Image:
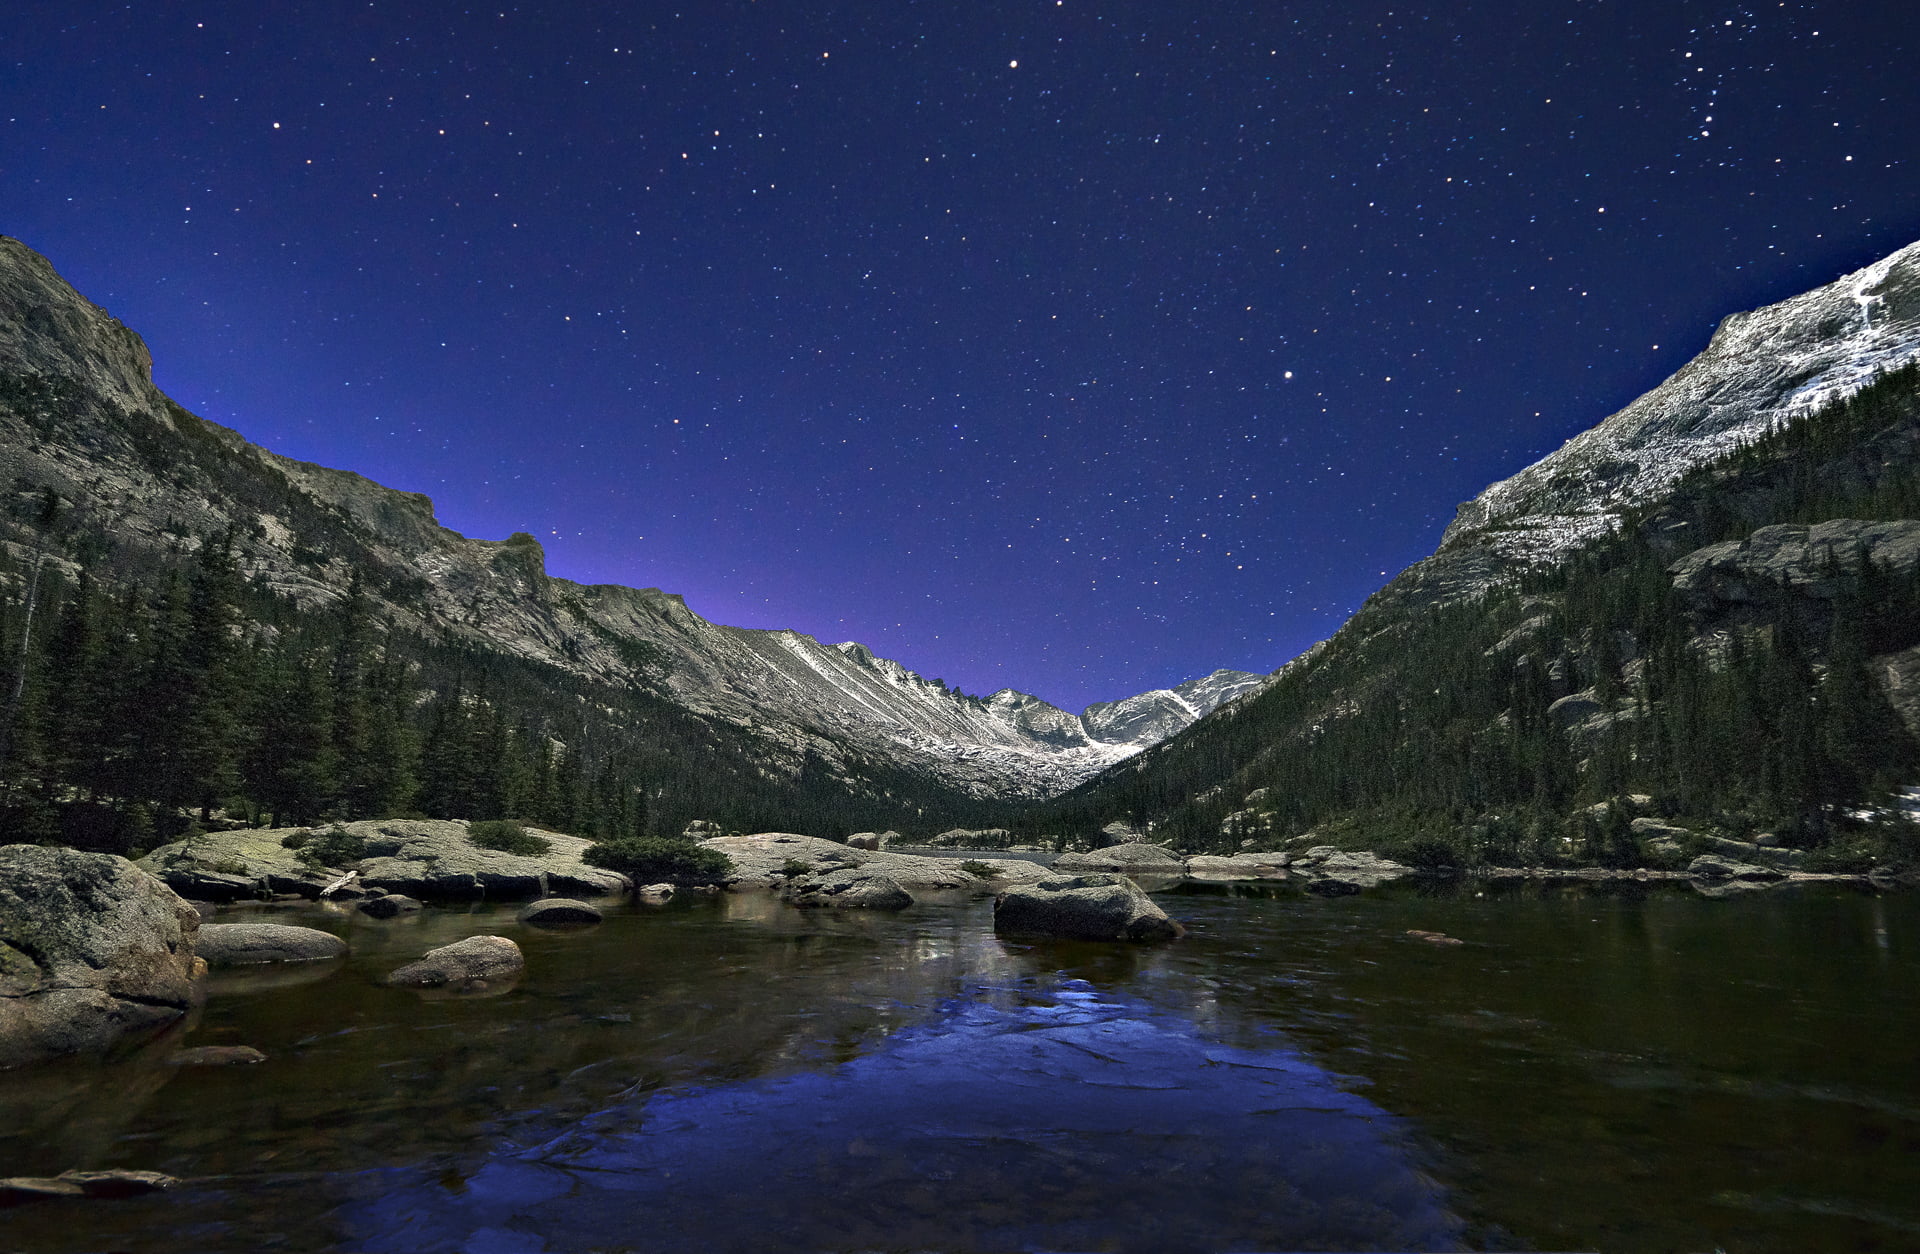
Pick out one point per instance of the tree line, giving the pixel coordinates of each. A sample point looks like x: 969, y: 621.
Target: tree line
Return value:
x: 135, y: 711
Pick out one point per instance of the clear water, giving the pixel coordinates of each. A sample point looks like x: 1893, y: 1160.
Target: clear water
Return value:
x: 1610, y: 1070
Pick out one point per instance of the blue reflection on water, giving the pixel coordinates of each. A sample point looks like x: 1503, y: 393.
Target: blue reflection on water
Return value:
x: 1066, y: 1120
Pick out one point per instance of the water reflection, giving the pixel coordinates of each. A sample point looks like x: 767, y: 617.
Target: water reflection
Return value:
x: 1019, y: 1117
x: 1623, y: 1067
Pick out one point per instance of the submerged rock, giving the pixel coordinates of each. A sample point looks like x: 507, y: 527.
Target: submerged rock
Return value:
x: 98, y: 1184
x: 217, y: 1056
x: 1084, y: 907
x: 92, y: 949
x: 476, y: 964
x: 244, y: 944
x: 850, y: 888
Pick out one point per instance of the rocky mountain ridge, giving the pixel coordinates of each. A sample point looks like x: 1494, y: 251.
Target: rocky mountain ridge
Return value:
x: 83, y: 426
x: 1763, y: 370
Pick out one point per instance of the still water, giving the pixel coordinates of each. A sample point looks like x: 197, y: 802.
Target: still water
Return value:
x: 1626, y: 1070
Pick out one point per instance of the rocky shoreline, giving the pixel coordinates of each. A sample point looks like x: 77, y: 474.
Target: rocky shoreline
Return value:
x: 97, y: 952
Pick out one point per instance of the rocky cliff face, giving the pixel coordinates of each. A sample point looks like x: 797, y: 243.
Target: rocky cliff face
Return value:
x: 1761, y: 371
x: 80, y: 419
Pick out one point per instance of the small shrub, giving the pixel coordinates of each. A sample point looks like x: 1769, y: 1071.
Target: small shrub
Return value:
x: 296, y: 839
x: 978, y: 869
x: 230, y: 866
x: 505, y: 836
x: 1851, y: 855
x: 794, y: 868
x: 1430, y: 853
x: 336, y: 847
x: 653, y: 860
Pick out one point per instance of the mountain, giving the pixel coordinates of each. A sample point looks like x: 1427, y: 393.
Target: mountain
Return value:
x: 1700, y: 616
x: 1762, y: 371
x: 139, y: 486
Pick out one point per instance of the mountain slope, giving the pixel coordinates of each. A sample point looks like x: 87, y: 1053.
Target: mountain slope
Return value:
x: 140, y: 483
x: 1763, y: 370
x: 1711, y: 600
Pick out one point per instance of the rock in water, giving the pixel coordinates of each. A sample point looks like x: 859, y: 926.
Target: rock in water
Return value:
x: 217, y: 1056
x: 476, y: 964
x: 1245, y: 866
x: 104, y: 1184
x: 1085, y: 907
x: 551, y: 911
x: 389, y: 905
x: 1713, y: 867
x: 430, y: 859
x: 1132, y: 856
x: 850, y: 888
x: 91, y: 950
x: 1340, y: 874
x: 245, y: 944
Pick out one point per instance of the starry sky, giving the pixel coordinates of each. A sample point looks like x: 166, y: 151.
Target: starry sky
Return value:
x: 1070, y: 345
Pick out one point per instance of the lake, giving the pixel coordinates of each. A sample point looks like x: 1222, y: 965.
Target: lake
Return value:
x: 1616, y: 1067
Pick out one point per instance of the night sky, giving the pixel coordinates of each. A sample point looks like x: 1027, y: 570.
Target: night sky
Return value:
x: 1075, y: 346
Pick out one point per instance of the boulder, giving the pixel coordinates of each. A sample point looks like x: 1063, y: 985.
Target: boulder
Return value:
x: 434, y: 860
x: 856, y: 888
x: 1083, y: 907
x: 431, y: 859
x: 1754, y: 851
x: 244, y: 944
x: 389, y: 905
x: 476, y: 964
x: 1133, y: 856
x: 1244, y: 866
x: 1327, y: 865
x: 864, y: 840
x: 656, y: 892
x: 1657, y: 829
x: 561, y: 911
x: 92, y: 950
x: 229, y: 866
x: 758, y: 861
x: 1713, y: 866
x: 967, y: 838
x: 1573, y: 709
x: 702, y: 829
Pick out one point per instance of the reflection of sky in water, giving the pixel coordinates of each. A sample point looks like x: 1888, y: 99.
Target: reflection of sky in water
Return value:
x: 1063, y: 1121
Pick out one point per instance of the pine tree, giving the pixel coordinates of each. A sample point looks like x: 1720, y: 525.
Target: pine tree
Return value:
x: 292, y: 771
